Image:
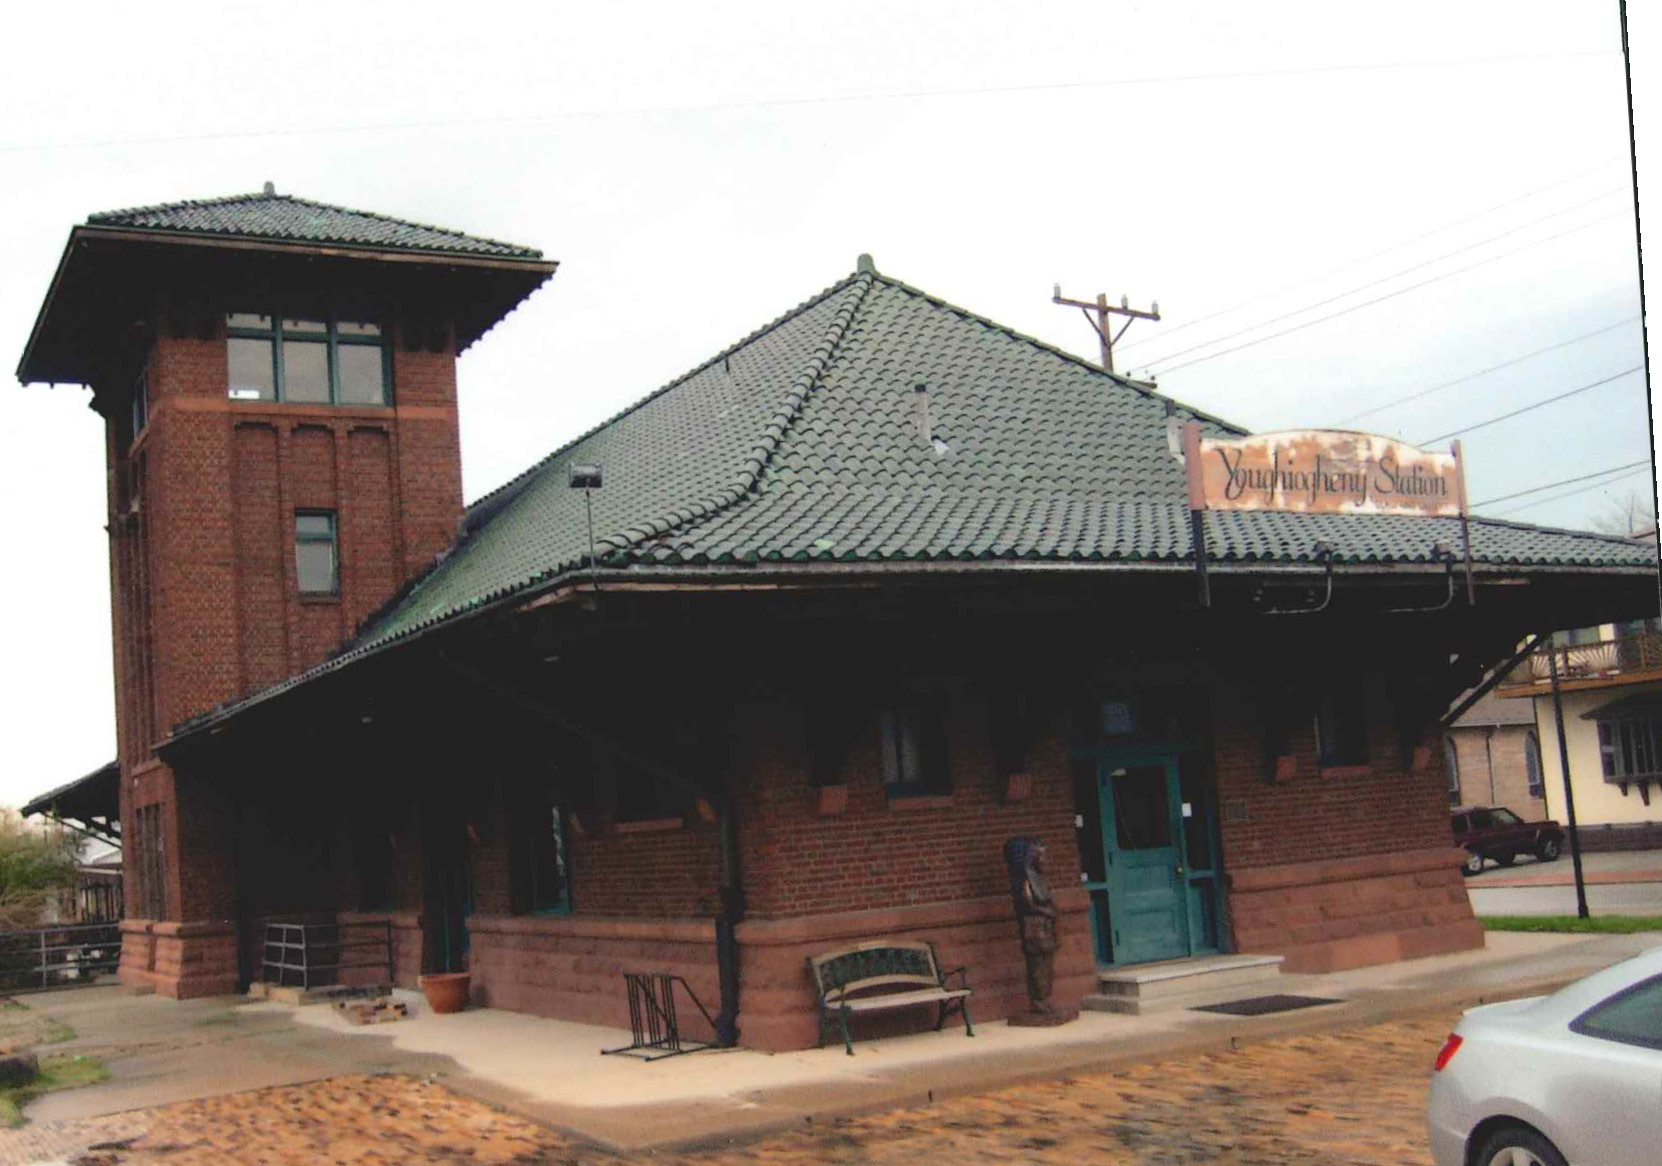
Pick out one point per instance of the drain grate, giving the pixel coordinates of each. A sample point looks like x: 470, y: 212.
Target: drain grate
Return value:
x: 1262, y: 1005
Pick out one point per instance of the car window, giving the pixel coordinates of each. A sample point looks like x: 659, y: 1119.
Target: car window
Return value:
x: 1459, y: 823
x: 1505, y: 818
x: 1632, y: 1016
x: 1481, y: 819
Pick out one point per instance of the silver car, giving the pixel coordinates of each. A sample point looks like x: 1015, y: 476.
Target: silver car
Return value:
x: 1571, y: 1079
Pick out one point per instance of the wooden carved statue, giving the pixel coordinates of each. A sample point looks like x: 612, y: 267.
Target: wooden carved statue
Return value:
x: 1024, y: 858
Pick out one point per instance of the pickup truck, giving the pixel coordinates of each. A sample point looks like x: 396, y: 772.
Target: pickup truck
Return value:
x: 1486, y: 832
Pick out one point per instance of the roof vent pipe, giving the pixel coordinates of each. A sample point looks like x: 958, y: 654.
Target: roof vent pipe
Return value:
x: 920, y: 409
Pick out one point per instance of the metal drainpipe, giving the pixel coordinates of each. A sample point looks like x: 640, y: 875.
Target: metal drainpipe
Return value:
x: 727, y: 942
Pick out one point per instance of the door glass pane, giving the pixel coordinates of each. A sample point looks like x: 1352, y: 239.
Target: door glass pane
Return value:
x: 251, y: 376
x: 360, y: 374
x: 1088, y: 810
x: 1197, y: 823
x: 248, y: 320
x: 348, y: 328
x: 1142, y: 813
x: 290, y: 324
x: 305, y: 372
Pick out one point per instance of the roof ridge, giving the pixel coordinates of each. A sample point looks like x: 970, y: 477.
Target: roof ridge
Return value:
x: 524, y: 476
x: 262, y: 196
x: 856, y: 286
x: 1072, y: 358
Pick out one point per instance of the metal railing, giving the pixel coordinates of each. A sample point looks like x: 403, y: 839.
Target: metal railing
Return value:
x: 1602, y: 658
x: 315, y: 954
x: 46, y: 957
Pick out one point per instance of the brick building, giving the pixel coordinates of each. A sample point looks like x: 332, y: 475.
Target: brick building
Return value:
x: 1493, y: 754
x: 864, y: 595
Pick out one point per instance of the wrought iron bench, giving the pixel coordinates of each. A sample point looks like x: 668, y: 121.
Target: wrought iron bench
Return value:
x: 882, y: 975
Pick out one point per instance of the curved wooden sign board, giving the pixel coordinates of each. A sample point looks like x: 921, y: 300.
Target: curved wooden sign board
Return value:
x: 1321, y: 471
x: 1325, y: 471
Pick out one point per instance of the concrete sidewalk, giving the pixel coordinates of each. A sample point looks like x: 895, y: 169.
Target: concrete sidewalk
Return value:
x: 160, y: 1051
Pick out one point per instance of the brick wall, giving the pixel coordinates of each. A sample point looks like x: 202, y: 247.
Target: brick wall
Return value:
x: 204, y: 596
x: 1339, y: 867
x: 890, y: 852
x: 1493, y: 771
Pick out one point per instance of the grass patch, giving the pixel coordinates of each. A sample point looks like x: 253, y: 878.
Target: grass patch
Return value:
x: 61, y: 1072
x: 1598, y: 925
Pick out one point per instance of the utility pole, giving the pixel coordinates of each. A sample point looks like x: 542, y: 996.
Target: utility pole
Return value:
x: 1564, y: 772
x: 1101, y: 310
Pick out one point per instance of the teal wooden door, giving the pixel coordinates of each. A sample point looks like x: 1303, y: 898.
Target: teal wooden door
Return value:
x: 1142, y: 836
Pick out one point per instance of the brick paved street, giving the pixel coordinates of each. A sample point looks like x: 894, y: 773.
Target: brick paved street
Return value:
x: 1349, y: 1098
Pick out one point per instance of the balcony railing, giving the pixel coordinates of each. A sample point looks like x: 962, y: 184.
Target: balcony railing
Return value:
x: 1598, y: 660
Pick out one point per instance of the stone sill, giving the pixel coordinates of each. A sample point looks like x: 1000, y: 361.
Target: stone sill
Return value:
x: 650, y: 826
x: 596, y: 927
x: 922, y: 802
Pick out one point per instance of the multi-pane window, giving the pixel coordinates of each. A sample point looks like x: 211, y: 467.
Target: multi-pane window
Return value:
x: 1532, y: 764
x: 316, y: 558
x: 319, y: 362
x: 1451, y: 760
x: 141, y: 400
x: 1630, y: 748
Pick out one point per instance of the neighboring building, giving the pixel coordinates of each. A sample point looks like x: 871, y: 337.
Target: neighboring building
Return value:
x: 88, y: 806
x: 1610, y: 680
x: 1493, y: 753
x: 864, y: 595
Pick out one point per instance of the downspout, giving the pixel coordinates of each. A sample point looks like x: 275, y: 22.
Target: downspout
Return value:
x: 727, y: 923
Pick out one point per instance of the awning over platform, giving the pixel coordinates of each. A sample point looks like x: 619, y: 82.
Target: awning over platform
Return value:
x: 91, y: 804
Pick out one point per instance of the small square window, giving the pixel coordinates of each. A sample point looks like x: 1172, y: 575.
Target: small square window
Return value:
x: 316, y: 562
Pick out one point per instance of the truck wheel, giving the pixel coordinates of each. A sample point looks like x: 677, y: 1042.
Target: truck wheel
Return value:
x: 1473, y: 864
x: 1547, y: 849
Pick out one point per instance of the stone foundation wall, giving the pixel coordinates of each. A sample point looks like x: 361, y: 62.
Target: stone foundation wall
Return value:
x: 571, y: 966
x: 179, y: 960
x: 1345, y: 913
x: 778, y: 1008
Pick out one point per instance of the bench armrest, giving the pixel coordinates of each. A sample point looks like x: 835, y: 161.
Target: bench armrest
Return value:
x: 961, y: 973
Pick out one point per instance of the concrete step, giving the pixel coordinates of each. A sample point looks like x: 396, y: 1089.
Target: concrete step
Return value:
x: 1176, y: 984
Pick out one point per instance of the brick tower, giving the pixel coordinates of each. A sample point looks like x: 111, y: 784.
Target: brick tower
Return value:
x: 278, y: 386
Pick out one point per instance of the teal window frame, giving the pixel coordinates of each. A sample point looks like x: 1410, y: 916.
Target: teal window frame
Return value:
x: 333, y: 542
x: 332, y: 339
x: 914, y: 749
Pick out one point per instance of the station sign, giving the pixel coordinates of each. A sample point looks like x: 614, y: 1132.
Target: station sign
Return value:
x: 1322, y: 471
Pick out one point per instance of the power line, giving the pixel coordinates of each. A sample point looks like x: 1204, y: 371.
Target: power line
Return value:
x: 1485, y: 371
x: 1562, y: 482
x: 1569, y: 493
x: 1382, y: 279
x: 786, y: 102
x: 1530, y: 408
x: 1393, y: 294
x: 1343, y: 267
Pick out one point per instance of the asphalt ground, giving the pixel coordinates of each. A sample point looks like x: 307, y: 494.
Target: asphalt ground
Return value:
x: 1491, y: 895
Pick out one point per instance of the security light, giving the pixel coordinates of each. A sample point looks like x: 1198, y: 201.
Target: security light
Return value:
x: 584, y: 477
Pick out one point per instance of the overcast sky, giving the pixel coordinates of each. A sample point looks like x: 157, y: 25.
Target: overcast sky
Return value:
x: 698, y: 169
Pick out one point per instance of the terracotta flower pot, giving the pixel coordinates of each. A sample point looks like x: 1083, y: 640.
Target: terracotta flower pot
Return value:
x: 446, y: 991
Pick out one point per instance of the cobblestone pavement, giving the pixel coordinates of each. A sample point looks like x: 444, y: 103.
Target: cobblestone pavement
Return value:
x: 1346, y: 1098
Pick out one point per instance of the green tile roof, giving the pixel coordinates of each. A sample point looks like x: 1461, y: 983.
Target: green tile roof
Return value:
x: 285, y: 218
x: 800, y: 444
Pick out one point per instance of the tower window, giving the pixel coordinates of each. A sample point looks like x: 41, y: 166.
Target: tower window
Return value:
x: 318, y: 362
x: 316, y: 563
